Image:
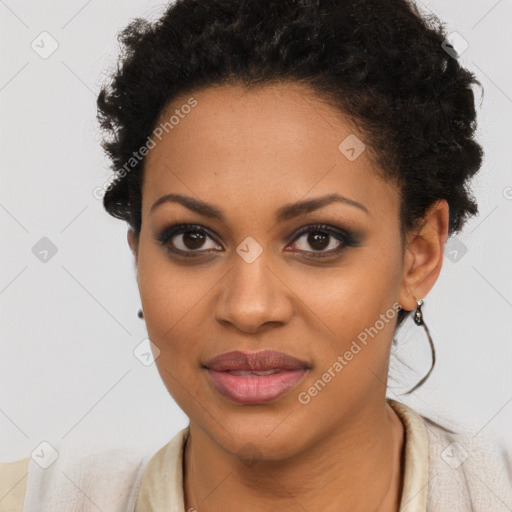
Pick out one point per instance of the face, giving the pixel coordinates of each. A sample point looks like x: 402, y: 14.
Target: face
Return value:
x: 319, y: 283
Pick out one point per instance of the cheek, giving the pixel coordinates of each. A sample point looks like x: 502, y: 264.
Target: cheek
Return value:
x: 170, y: 299
x: 357, y: 323
x: 348, y: 298
x: 173, y: 308
x: 352, y: 346
x: 353, y: 312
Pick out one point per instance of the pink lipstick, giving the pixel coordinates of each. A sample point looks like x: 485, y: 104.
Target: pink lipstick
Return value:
x: 255, y: 377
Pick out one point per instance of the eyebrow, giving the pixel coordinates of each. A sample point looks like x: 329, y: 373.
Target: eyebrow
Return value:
x: 284, y: 213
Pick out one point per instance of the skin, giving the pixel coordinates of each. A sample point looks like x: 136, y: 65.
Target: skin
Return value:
x: 250, y: 152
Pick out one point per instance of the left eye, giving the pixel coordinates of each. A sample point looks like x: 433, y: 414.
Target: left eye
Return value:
x: 324, y: 240
x: 318, y: 240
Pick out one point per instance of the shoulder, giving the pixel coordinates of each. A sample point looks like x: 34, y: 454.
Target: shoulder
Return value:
x: 467, y: 471
x: 13, y: 483
x: 80, y: 475
x: 162, y: 483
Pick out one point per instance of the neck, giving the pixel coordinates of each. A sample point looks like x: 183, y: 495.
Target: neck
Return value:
x: 357, y: 467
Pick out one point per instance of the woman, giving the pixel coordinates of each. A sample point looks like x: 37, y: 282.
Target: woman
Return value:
x: 290, y: 172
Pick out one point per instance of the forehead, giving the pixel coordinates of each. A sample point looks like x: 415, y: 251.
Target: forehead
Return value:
x: 278, y: 140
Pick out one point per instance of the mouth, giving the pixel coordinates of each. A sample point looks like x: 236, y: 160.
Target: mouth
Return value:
x: 255, y: 378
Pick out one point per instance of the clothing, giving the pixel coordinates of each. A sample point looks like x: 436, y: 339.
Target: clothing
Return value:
x: 443, y: 472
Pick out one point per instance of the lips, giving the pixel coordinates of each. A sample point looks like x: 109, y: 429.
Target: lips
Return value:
x: 255, y: 361
x: 255, y: 377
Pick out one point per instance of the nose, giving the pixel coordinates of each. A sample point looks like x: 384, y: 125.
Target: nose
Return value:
x: 253, y: 296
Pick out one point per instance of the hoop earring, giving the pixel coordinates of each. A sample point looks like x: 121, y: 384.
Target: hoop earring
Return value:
x: 418, y: 320
x: 140, y: 314
x: 418, y: 315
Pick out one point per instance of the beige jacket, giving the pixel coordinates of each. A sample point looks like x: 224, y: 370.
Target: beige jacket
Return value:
x: 444, y: 472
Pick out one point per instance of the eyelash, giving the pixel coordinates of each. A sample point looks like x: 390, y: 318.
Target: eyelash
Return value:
x: 346, y: 238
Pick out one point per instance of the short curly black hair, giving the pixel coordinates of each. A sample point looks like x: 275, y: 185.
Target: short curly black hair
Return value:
x: 382, y: 63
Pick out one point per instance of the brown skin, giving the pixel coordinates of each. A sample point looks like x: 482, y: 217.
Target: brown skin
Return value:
x: 249, y: 153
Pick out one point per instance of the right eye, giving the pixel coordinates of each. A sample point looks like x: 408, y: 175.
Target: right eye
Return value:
x: 186, y: 239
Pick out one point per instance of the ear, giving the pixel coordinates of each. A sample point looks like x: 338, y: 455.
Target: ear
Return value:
x: 424, y: 253
x: 133, y: 242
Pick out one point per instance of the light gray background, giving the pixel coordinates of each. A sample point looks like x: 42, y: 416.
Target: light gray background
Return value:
x: 69, y: 327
